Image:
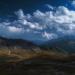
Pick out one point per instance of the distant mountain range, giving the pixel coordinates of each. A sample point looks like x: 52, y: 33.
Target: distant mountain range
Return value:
x: 16, y: 43
x: 64, y: 45
x: 50, y: 57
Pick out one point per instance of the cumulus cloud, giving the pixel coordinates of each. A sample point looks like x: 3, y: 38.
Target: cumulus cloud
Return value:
x: 14, y: 29
x: 73, y: 2
x: 40, y: 25
x: 50, y: 7
x: 20, y: 14
x: 49, y: 36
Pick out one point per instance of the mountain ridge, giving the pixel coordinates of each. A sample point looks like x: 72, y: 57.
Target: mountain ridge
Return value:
x: 65, y: 44
x: 18, y: 43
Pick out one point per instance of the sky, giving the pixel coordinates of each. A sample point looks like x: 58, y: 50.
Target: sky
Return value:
x: 29, y: 6
x: 37, y: 20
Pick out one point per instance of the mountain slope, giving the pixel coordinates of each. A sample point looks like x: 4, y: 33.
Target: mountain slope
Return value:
x: 16, y: 43
x: 65, y: 45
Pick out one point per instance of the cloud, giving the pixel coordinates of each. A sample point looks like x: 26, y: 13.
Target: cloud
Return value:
x: 20, y: 14
x: 49, y: 36
x: 40, y: 25
x: 50, y: 7
x: 73, y: 2
x: 14, y: 29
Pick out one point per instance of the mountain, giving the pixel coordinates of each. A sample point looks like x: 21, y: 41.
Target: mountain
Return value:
x: 16, y: 43
x: 46, y: 59
x: 64, y: 45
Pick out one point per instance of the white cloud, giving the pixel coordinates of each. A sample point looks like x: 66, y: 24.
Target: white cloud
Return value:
x: 41, y: 25
x: 49, y: 36
x: 73, y: 2
x: 50, y: 7
x: 20, y: 14
x: 14, y: 29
